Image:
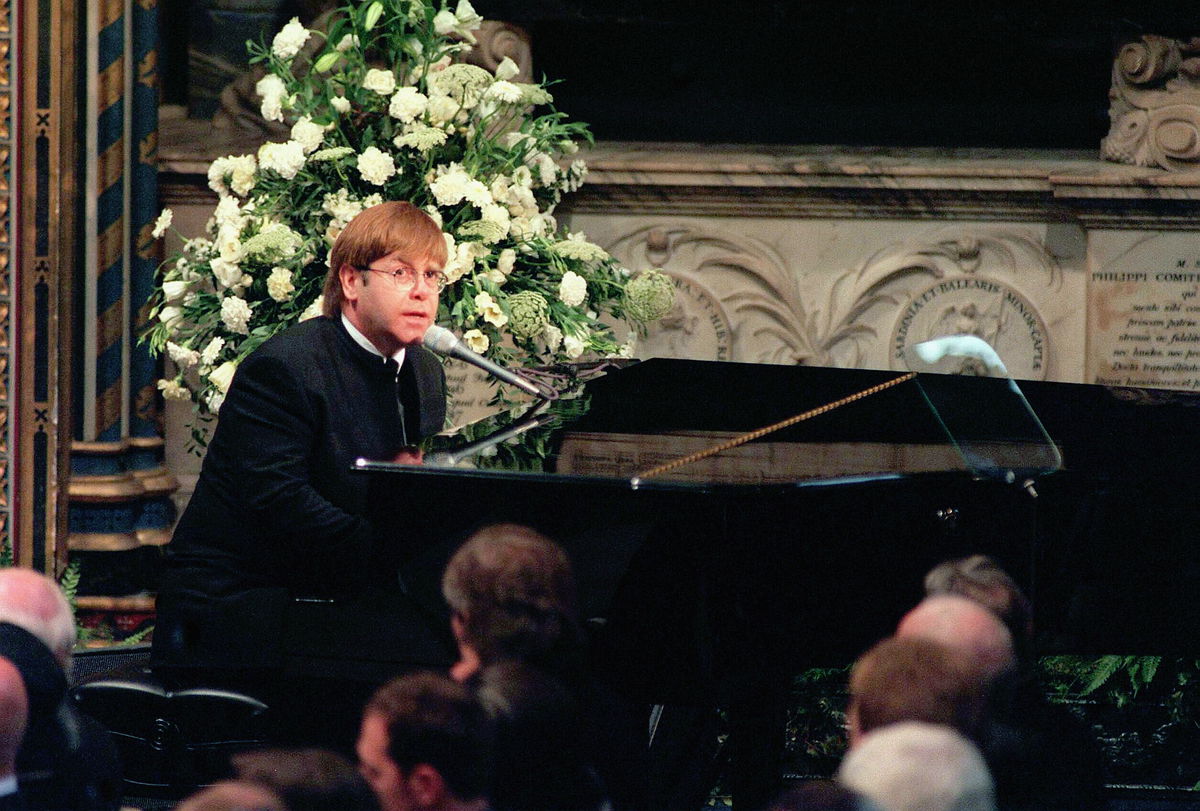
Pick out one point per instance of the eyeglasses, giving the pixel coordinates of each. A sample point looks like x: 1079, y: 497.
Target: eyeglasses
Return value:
x: 405, y: 277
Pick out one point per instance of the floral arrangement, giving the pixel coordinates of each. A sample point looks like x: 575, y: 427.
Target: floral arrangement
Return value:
x: 379, y: 110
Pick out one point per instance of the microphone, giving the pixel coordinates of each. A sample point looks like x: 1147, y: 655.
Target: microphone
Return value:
x: 444, y: 342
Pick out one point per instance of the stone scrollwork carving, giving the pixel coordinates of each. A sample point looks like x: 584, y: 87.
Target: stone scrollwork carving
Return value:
x: 739, y: 300
x: 1155, y: 104
x: 735, y: 300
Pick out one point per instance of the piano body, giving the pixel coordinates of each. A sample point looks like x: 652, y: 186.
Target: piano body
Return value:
x: 803, y: 547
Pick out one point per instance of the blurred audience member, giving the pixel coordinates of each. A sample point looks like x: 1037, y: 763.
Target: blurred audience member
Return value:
x: 425, y: 743
x: 915, y: 680
x: 233, y: 795
x: 913, y: 766
x: 307, y: 779
x: 821, y: 795
x: 540, y: 762
x: 14, y: 713
x: 981, y: 579
x: 965, y: 625
x: 66, y: 760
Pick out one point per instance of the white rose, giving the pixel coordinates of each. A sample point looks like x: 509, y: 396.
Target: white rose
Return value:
x: 212, y: 350
x: 308, y: 134
x: 382, y: 82
x: 407, y: 104
x: 476, y: 341
x: 572, y: 290
x: 222, y: 376
x: 572, y: 346
x: 290, y: 39
x: 506, y: 260
x: 376, y: 166
x: 287, y: 158
x: 272, y: 89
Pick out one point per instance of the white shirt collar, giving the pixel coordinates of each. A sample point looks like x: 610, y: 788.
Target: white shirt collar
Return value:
x: 362, y: 341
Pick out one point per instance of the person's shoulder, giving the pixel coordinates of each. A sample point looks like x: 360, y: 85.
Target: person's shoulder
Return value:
x: 298, y: 342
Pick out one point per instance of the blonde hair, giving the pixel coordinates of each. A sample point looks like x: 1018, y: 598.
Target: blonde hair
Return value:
x: 390, y: 227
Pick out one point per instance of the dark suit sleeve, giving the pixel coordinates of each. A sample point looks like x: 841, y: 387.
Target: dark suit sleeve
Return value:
x: 268, y: 428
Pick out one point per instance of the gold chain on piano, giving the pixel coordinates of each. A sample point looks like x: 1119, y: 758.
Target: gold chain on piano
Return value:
x: 761, y: 432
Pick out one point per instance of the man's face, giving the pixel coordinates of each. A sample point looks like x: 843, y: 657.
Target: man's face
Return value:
x: 377, y: 768
x: 389, y: 314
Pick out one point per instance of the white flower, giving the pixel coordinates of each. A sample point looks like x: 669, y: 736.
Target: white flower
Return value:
x: 506, y: 260
x: 572, y: 290
x: 222, y: 376
x: 174, y: 290
x: 435, y: 215
x: 497, y: 215
x: 346, y: 43
x: 489, y: 310
x: 181, y: 356
x: 239, y: 169
x: 314, y: 309
x: 172, y: 390
x: 442, y: 109
x: 376, y: 166
x: 576, y: 247
x: 212, y: 350
x: 228, y: 214
x: 235, y: 314
x: 290, y: 39
x: 476, y: 341
x: 162, y: 223
x: 444, y: 22
x: 507, y: 69
x: 553, y: 337
x: 382, y: 82
x: 407, y: 103
x: 287, y: 158
x: 450, y: 186
x: 546, y: 167
x: 272, y: 89
x: 308, y: 134
x: 340, y: 103
x: 170, y: 315
x: 504, y: 92
x: 279, y: 284
x: 213, y: 400
x: 573, y: 346
x: 462, y: 22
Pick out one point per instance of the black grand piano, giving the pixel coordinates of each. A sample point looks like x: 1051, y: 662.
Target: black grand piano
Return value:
x: 804, y: 545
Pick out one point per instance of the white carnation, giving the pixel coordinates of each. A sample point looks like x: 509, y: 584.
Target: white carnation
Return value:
x: 442, y: 109
x: 228, y: 274
x: 376, y: 166
x: 181, y: 356
x: 290, y: 39
x: 279, y: 284
x: 382, y: 82
x: 212, y: 350
x: 340, y: 103
x: 407, y: 104
x: 162, y: 223
x: 503, y: 92
x: 450, y: 186
x: 572, y: 290
x: 239, y: 170
x: 172, y: 390
x: 287, y: 158
x: 235, y: 314
x: 308, y: 134
x: 272, y: 89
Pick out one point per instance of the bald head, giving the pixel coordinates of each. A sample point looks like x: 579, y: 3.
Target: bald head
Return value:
x: 964, y: 625
x: 34, y: 602
x: 233, y: 796
x: 14, y: 712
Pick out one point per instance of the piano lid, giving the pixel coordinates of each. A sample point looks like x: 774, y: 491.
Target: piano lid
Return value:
x: 668, y: 422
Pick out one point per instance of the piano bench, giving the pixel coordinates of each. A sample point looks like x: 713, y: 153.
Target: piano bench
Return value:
x: 171, y: 742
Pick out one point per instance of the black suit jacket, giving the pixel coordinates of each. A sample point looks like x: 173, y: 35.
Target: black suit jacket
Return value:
x: 277, y: 512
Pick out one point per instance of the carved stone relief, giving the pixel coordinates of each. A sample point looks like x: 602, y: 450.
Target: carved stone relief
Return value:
x: 740, y: 299
x: 1155, y: 104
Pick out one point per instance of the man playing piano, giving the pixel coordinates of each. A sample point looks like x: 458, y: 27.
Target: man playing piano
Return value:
x: 275, y: 567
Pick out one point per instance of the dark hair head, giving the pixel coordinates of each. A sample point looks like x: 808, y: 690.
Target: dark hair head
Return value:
x: 307, y: 779
x: 979, y: 578
x: 431, y: 719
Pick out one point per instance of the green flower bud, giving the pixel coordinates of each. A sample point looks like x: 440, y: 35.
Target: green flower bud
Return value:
x: 530, y: 314
x: 327, y: 61
x: 374, y: 12
x: 649, y: 297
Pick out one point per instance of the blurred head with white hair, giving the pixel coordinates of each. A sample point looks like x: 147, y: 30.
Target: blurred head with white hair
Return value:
x: 35, y: 602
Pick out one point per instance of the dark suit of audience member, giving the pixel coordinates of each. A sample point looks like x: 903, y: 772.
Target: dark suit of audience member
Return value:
x: 66, y: 760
